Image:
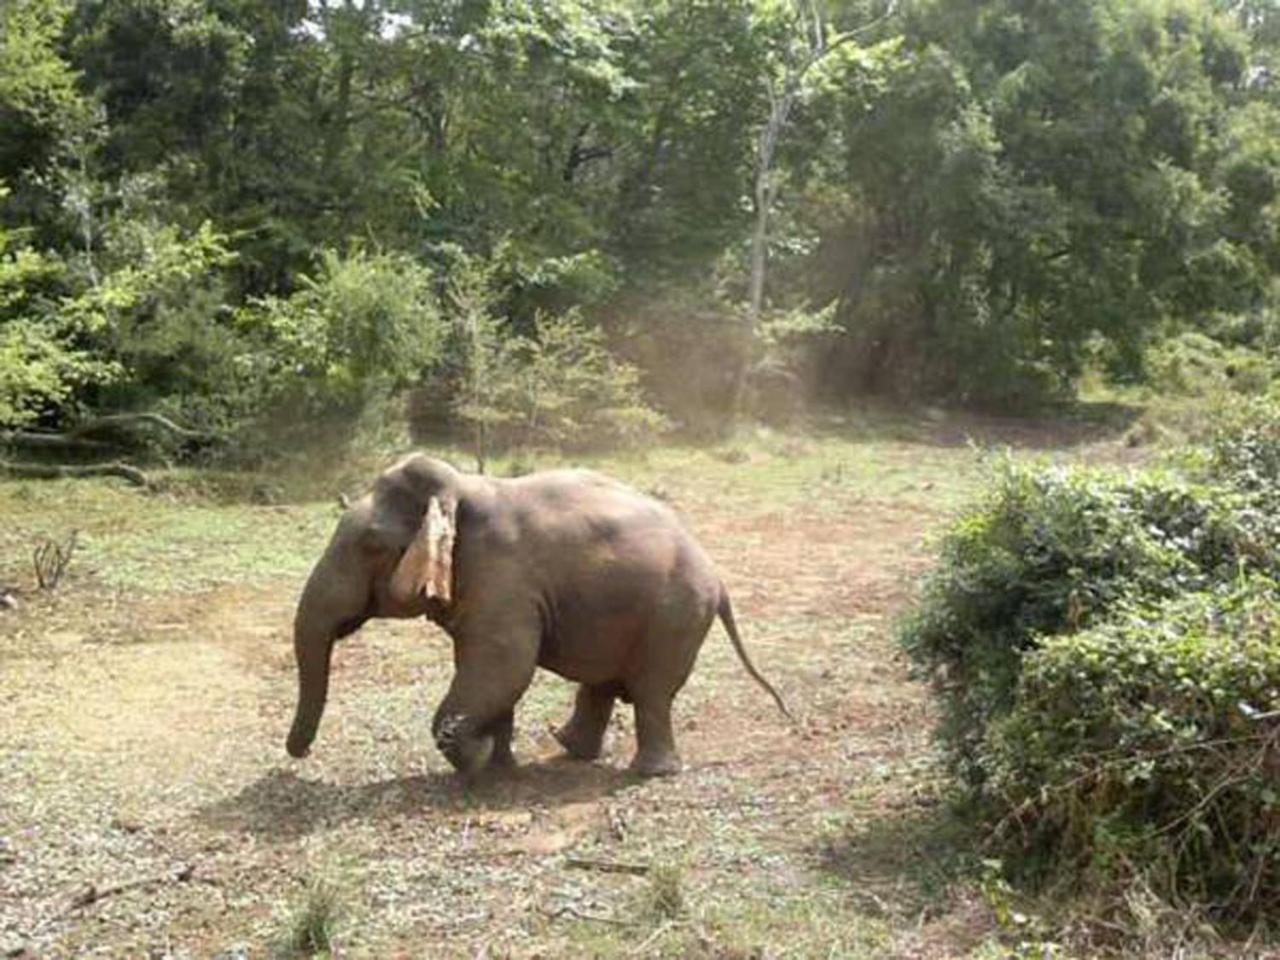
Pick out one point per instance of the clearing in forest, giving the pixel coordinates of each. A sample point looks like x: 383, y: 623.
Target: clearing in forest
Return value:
x: 147, y: 806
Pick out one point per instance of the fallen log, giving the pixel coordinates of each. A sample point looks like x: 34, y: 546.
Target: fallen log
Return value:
x: 50, y: 471
x: 116, y: 421
x: 54, y: 441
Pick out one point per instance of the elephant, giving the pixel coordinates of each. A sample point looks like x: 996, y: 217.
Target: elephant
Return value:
x: 566, y: 569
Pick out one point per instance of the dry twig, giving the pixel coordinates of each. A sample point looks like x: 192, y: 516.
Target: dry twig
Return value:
x: 571, y: 911
x: 91, y: 894
x: 52, y: 559
x: 607, y: 866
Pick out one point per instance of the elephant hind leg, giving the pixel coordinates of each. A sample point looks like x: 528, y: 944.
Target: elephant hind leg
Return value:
x: 656, y: 754
x: 672, y: 648
x: 583, y: 735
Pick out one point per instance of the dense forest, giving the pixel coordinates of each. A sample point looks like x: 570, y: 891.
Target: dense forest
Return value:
x: 585, y: 219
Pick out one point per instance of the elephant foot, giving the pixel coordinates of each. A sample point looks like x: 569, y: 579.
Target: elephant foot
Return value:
x: 468, y: 755
x: 578, y: 745
x: 657, y: 764
x: 502, y: 759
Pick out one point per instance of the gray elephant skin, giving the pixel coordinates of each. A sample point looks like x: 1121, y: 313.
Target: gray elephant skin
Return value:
x: 566, y: 570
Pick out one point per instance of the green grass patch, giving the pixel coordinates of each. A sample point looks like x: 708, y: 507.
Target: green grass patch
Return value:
x: 129, y: 540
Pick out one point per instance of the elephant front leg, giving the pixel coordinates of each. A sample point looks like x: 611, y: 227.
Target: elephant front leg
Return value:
x: 473, y: 726
x: 583, y: 735
x: 502, y: 730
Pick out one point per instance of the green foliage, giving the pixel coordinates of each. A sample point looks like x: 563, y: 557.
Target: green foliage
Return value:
x: 1107, y: 650
x: 557, y: 385
x: 563, y: 388
x: 1000, y: 248
x: 1051, y: 551
x: 178, y: 168
x: 1136, y: 753
x: 1193, y: 364
x: 311, y: 921
x: 36, y: 366
x: 364, y: 326
x: 134, y: 318
x: 41, y: 110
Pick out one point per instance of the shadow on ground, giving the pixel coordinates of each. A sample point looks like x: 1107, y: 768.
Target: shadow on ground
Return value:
x: 910, y: 858
x: 282, y: 805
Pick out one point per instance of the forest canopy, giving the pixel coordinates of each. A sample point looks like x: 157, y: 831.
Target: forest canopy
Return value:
x: 226, y: 209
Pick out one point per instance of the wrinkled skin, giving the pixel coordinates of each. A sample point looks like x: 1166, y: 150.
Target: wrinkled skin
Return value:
x: 567, y: 570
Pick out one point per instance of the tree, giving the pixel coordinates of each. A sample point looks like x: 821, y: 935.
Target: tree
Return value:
x: 797, y: 50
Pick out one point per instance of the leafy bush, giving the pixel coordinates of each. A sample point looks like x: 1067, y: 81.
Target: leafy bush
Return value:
x: 557, y: 385
x: 1196, y: 365
x: 364, y: 325
x: 137, y: 320
x: 562, y: 387
x: 1052, y: 551
x: 1245, y: 449
x: 1146, y: 749
x: 1107, y: 651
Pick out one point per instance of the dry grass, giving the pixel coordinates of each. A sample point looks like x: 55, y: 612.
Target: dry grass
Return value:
x: 143, y: 707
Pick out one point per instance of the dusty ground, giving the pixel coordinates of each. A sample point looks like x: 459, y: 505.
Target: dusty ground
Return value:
x: 147, y: 807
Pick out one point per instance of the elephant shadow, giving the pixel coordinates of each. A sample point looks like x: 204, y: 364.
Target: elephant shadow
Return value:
x: 282, y: 805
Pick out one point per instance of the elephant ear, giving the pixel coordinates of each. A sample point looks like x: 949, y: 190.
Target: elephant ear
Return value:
x: 427, y: 566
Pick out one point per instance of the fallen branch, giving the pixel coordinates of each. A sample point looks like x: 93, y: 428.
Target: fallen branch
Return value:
x: 607, y: 866
x: 571, y: 911
x: 91, y: 894
x: 113, y: 421
x: 44, y: 471
x: 51, y: 560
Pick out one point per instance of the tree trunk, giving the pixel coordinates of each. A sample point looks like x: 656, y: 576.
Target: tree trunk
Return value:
x: 779, y: 109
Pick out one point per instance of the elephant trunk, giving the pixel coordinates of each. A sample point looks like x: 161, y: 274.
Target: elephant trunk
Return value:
x: 330, y: 608
x: 313, y: 648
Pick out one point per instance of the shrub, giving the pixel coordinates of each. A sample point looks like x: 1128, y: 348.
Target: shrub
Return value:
x: 1141, y: 751
x: 1192, y: 364
x: 310, y: 921
x: 564, y: 388
x: 363, y: 326
x: 1244, y: 450
x: 1052, y: 551
x: 557, y: 385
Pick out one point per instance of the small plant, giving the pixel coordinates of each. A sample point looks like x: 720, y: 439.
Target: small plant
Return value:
x: 666, y: 890
x: 556, y: 385
x: 311, y: 921
x: 51, y: 560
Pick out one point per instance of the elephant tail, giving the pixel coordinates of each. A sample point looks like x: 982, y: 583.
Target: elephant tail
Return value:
x: 725, y: 610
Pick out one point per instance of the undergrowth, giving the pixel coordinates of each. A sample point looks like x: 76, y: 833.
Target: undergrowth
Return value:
x: 1106, y: 647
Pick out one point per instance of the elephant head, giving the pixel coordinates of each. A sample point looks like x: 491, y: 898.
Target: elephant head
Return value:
x: 391, y: 556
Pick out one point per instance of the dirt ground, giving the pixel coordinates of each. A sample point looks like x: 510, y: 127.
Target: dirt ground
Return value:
x: 147, y: 807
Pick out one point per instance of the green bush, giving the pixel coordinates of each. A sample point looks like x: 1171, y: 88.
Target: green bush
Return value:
x: 1051, y: 551
x: 1192, y: 364
x: 1140, y: 751
x: 1107, y: 652
x: 1244, y: 451
x: 364, y: 326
